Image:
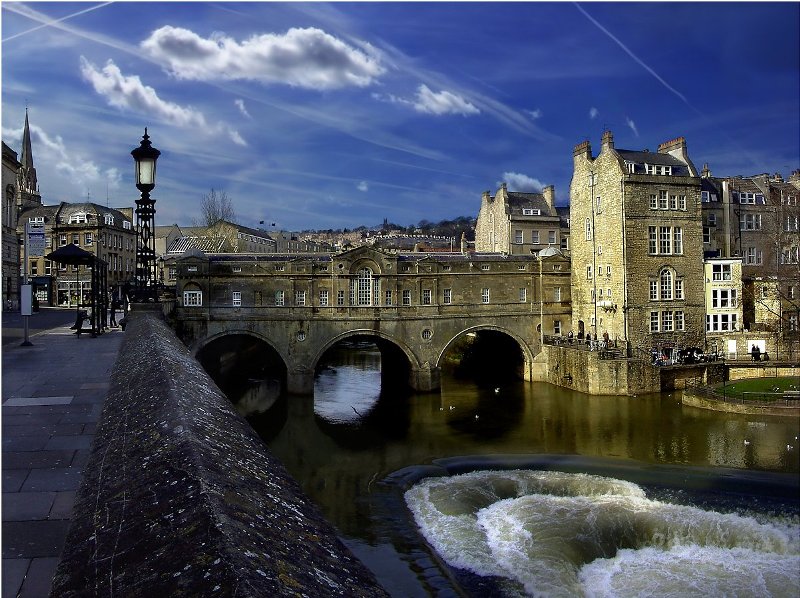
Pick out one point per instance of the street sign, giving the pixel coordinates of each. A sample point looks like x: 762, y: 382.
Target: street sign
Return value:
x: 36, y: 240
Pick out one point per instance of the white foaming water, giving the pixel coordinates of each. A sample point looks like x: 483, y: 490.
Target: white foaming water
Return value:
x: 559, y: 534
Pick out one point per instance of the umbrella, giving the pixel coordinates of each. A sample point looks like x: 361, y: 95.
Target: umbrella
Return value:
x: 72, y: 254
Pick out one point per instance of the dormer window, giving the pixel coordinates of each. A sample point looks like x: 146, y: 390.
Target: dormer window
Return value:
x: 126, y: 225
x: 78, y: 218
x: 531, y: 212
x: 36, y: 219
x: 631, y: 166
x: 658, y: 169
x: 108, y: 219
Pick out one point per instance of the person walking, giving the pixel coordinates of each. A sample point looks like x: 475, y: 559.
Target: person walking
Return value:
x: 113, y: 313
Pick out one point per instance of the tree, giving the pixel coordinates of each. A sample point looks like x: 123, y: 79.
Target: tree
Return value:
x: 216, y: 206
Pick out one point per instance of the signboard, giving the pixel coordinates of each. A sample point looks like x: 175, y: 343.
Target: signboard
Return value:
x: 36, y: 240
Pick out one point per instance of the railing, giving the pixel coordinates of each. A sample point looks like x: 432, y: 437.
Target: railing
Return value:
x: 603, y: 351
x: 757, y: 399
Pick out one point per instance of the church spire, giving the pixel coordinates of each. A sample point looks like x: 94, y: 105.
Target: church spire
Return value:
x: 27, y: 182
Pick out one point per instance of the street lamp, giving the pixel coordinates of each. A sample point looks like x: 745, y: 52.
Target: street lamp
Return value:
x: 145, y: 157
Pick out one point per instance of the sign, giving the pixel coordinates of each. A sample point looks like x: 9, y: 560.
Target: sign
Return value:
x: 36, y: 240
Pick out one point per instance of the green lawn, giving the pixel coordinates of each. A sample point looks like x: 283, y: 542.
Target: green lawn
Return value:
x: 741, y: 388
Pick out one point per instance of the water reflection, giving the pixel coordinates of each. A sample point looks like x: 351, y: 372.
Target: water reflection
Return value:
x: 340, y: 443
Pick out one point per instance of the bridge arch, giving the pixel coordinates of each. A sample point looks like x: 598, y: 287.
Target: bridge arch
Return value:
x: 525, y: 349
x: 413, y: 361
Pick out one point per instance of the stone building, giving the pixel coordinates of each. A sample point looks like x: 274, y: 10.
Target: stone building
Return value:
x: 106, y: 232
x: 723, y: 287
x: 11, y: 263
x: 518, y: 223
x: 636, y: 246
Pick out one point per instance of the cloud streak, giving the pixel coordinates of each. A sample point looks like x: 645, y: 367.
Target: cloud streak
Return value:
x: 308, y: 58
x: 521, y: 182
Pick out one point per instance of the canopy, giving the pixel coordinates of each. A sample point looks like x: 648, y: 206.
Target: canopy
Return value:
x: 72, y: 254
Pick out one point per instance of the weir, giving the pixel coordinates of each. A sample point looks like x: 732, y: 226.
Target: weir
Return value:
x: 181, y: 497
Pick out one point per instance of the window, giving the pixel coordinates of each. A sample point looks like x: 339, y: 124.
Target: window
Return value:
x: 662, y: 200
x: 88, y: 238
x: 712, y: 220
x: 608, y: 292
x: 608, y: 270
x: 172, y: 272
x: 720, y: 322
x: 679, y: 325
x: 192, y: 298
x: 653, y: 244
x: 677, y: 240
x: 535, y: 237
x: 531, y: 212
x: 280, y: 298
x: 521, y: 267
x: 631, y: 166
x: 279, y: 268
x: 556, y: 326
x: 426, y: 296
x: 599, y: 250
x: 448, y: 296
x: 721, y: 298
x: 78, y: 218
x: 747, y: 197
x: 557, y: 294
x: 388, y: 297
x: 485, y: 295
x: 126, y: 225
x: 673, y: 202
x: 447, y: 268
x: 653, y: 321
x: 484, y: 266
x: 76, y: 238
x: 653, y: 201
x: 427, y: 334
x: 666, y: 285
x: 750, y: 222
x: 721, y: 272
x: 551, y: 237
x: 706, y: 235
x: 792, y: 223
x: 48, y: 267
x: 704, y: 196
x: 237, y: 298
x: 664, y: 240
x: 340, y: 298
x: 237, y: 268
x: 789, y: 289
x: 666, y: 321
x: 679, y: 288
x: 653, y: 290
x: 753, y: 256
x: 588, y: 229
x: 109, y: 219
x: 518, y: 237
x: 681, y: 202
x: 300, y: 298
x: 323, y: 298
x: 406, y: 297
x: 598, y: 205
x: 523, y: 295
x: 34, y: 267
x: 364, y: 286
x: 589, y: 272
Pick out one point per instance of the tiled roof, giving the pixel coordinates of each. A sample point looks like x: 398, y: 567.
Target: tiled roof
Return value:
x: 518, y: 201
x: 208, y: 244
x: 656, y: 158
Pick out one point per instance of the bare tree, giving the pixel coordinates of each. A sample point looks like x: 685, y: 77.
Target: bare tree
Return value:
x: 216, y: 206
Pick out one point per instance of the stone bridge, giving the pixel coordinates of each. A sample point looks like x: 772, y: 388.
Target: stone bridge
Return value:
x: 413, y: 305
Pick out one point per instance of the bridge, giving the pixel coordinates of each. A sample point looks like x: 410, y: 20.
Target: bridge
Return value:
x: 287, y: 310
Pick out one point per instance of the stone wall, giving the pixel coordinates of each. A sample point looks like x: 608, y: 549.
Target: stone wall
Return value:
x: 181, y: 498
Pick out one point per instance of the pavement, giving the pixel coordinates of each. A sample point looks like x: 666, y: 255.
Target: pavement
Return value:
x: 52, y: 395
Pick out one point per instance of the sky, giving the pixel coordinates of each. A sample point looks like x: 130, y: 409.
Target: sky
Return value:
x: 336, y: 115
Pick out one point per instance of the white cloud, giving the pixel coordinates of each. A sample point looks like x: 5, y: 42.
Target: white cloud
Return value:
x: 79, y: 170
x: 521, y: 182
x: 130, y: 93
x: 363, y: 186
x: 535, y: 114
x: 443, y: 102
x: 309, y: 58
x: 593, y: 112
x: 632, y: 126
x: 240, y: 105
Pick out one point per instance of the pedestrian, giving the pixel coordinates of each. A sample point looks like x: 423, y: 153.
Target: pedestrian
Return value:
x: 569, y: 337
x: 113, y: 313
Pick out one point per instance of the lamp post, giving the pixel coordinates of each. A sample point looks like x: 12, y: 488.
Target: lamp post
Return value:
x: 145, y: 157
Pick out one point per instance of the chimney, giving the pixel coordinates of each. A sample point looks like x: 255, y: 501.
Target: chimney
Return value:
x: 777, y: 178
x: 677, y: 149
x: 487, y: 197
x: 607, y: 141
x: 504, y: 187
x: 549, y: 193
x: 706, y: 173
x: 794, y: 178
x: 582, y: 149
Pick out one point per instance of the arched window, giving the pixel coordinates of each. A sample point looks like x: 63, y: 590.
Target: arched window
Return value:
x: 666, y: 284
x: 364, y: 287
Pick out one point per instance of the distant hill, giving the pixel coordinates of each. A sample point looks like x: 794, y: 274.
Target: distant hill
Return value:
x: 445, y: 228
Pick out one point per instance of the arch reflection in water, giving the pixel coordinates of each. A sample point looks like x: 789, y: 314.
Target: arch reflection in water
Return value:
x: 565, y: 534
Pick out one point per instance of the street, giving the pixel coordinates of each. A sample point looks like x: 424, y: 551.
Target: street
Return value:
x: 44, y: 319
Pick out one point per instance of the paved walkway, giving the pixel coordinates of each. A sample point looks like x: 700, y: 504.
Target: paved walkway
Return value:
x: 53, y: 393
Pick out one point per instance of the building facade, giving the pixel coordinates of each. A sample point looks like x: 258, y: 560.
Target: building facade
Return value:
x: 11, y: 263
x: 636, y: 246
x: 108, y: 233
x: 518, y: 223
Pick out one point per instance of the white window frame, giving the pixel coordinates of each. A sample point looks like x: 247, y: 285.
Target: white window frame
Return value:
x: 406, y: 297
x: 193, y: 298
x: 300, y: 298
x: 523, y: 295
x: 427, y: 298
x: 237, y: 298
x: 485, y: 296
x: 280, y: 298
x: 324, y: 297
x: 448, y: 296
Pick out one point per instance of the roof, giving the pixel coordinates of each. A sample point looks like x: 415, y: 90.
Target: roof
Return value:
x: 203, y: 243
x: 517, y: 201
x: 679, y: 168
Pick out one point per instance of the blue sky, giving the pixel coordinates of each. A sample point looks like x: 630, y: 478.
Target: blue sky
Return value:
x: 317, y: 115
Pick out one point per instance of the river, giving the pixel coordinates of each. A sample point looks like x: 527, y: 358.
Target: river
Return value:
x: 527, y: 489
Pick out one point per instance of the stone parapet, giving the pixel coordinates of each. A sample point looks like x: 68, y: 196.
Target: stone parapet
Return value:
x: 181, y: 497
